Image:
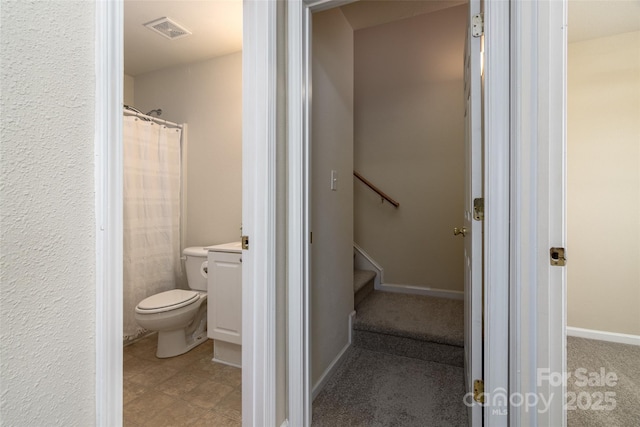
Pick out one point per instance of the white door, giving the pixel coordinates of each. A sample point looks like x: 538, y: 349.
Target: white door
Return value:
x: 472, y: 231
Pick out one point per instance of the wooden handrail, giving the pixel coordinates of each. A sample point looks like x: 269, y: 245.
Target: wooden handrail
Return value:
x: 376, y: 189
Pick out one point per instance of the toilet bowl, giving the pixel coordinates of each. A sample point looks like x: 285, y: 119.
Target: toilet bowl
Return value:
x: 179, y: 315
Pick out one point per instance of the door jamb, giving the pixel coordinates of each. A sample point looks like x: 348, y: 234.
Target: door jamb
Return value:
x: 538, y: 300
x: 259, y: 176
x: 497, y: 199
x: 109, y: 194
x: 298, y: 211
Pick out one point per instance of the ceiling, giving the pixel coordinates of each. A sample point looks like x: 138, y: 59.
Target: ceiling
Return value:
x: 369, y: 13
x: 217, y: 25
x: 216, y: 28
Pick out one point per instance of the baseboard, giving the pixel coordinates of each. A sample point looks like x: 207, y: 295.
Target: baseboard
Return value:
x: 418, y: 290
x: 603, y: 336
x: 285, y: 423
x: 334, y: 365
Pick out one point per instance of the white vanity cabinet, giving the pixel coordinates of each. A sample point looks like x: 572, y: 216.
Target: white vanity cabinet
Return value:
x: 224, y: 304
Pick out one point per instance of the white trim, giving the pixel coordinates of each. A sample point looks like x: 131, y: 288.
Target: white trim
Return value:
x: 364, y: 261
x: 537, y: 180
x: 298, y: 221
x: 259, y: 106
x: 335, y: 364
x: 496, y: 194
x: 593, y: 334
x: 420, y: 290
x: 285, y: 423
x: 108, y: 187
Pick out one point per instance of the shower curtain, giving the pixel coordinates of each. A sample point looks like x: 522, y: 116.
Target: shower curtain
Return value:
x: 151, y: 241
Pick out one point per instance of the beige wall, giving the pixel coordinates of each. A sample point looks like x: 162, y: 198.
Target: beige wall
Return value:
x: 47, y: 214
x: 409, y: 140
x: 128, y: 88
x: 603, y: 184
x: 208, y: 97
x: 332, y: 211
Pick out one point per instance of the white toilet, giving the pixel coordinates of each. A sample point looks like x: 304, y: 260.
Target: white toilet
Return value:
x: 179, y: 316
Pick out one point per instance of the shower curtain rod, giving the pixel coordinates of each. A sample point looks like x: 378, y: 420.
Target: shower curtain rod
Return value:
x: 130, y: 111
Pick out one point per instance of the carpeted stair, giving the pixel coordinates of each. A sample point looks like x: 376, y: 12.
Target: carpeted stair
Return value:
x: 415, y: 326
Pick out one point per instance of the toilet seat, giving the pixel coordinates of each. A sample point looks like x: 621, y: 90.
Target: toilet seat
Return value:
x: 166, y: 301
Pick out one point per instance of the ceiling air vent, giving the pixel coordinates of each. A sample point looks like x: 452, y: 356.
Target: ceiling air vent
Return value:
x: 168, y: 28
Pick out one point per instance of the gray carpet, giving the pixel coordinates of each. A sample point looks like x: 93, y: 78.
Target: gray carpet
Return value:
x: 592, y: 355
x: 437, y: 320
x: 376, y: 389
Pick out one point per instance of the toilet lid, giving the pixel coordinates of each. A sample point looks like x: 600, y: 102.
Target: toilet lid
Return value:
x: 165, y: 301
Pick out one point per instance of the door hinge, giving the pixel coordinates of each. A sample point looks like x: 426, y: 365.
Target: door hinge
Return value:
x: 245, y: 242
x: 558, y: 256
x: 478, y: 209
x: 478, y: 391
x: 477, y: 25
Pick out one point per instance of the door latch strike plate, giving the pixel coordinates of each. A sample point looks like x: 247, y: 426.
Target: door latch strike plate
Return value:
x: 245, y: 242
x: 558, y: 256
x: 478, y: 209
x: 478, y: 391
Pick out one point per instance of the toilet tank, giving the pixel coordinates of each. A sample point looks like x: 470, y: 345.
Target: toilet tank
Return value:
x: 196, y: 266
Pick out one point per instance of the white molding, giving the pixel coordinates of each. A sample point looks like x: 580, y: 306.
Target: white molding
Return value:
x: 298, y: 221
x: 593, y: 334
x: 364, y: 261
x: 421, y: 290
x: 496, y: 195
x: 108, y: 186
x: 259, y: 106
x: 335, y: 364
x: 537, y: 181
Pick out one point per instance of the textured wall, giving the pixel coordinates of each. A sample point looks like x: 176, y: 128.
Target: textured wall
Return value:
x: 603, y: 184
x: 47, y: 239
x: 207, y: 96
x: 409, y: 141
x: 332, y: 211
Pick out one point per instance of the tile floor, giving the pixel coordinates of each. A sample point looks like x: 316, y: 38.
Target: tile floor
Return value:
x: 187, y: 390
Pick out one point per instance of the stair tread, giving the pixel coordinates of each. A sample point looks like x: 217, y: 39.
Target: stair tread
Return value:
x: 419, y: 317
x: 361, y: 278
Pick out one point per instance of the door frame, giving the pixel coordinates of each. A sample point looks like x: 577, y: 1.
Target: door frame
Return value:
x: 109, y: 195
x: 497, y: 199
x: 538, y: 218
x: 259, y: 215
x: 259, y: 176
x: 496, y: 146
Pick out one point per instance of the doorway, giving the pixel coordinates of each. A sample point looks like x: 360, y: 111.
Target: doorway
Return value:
x: 192, y: 74
x: 337, y: 132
